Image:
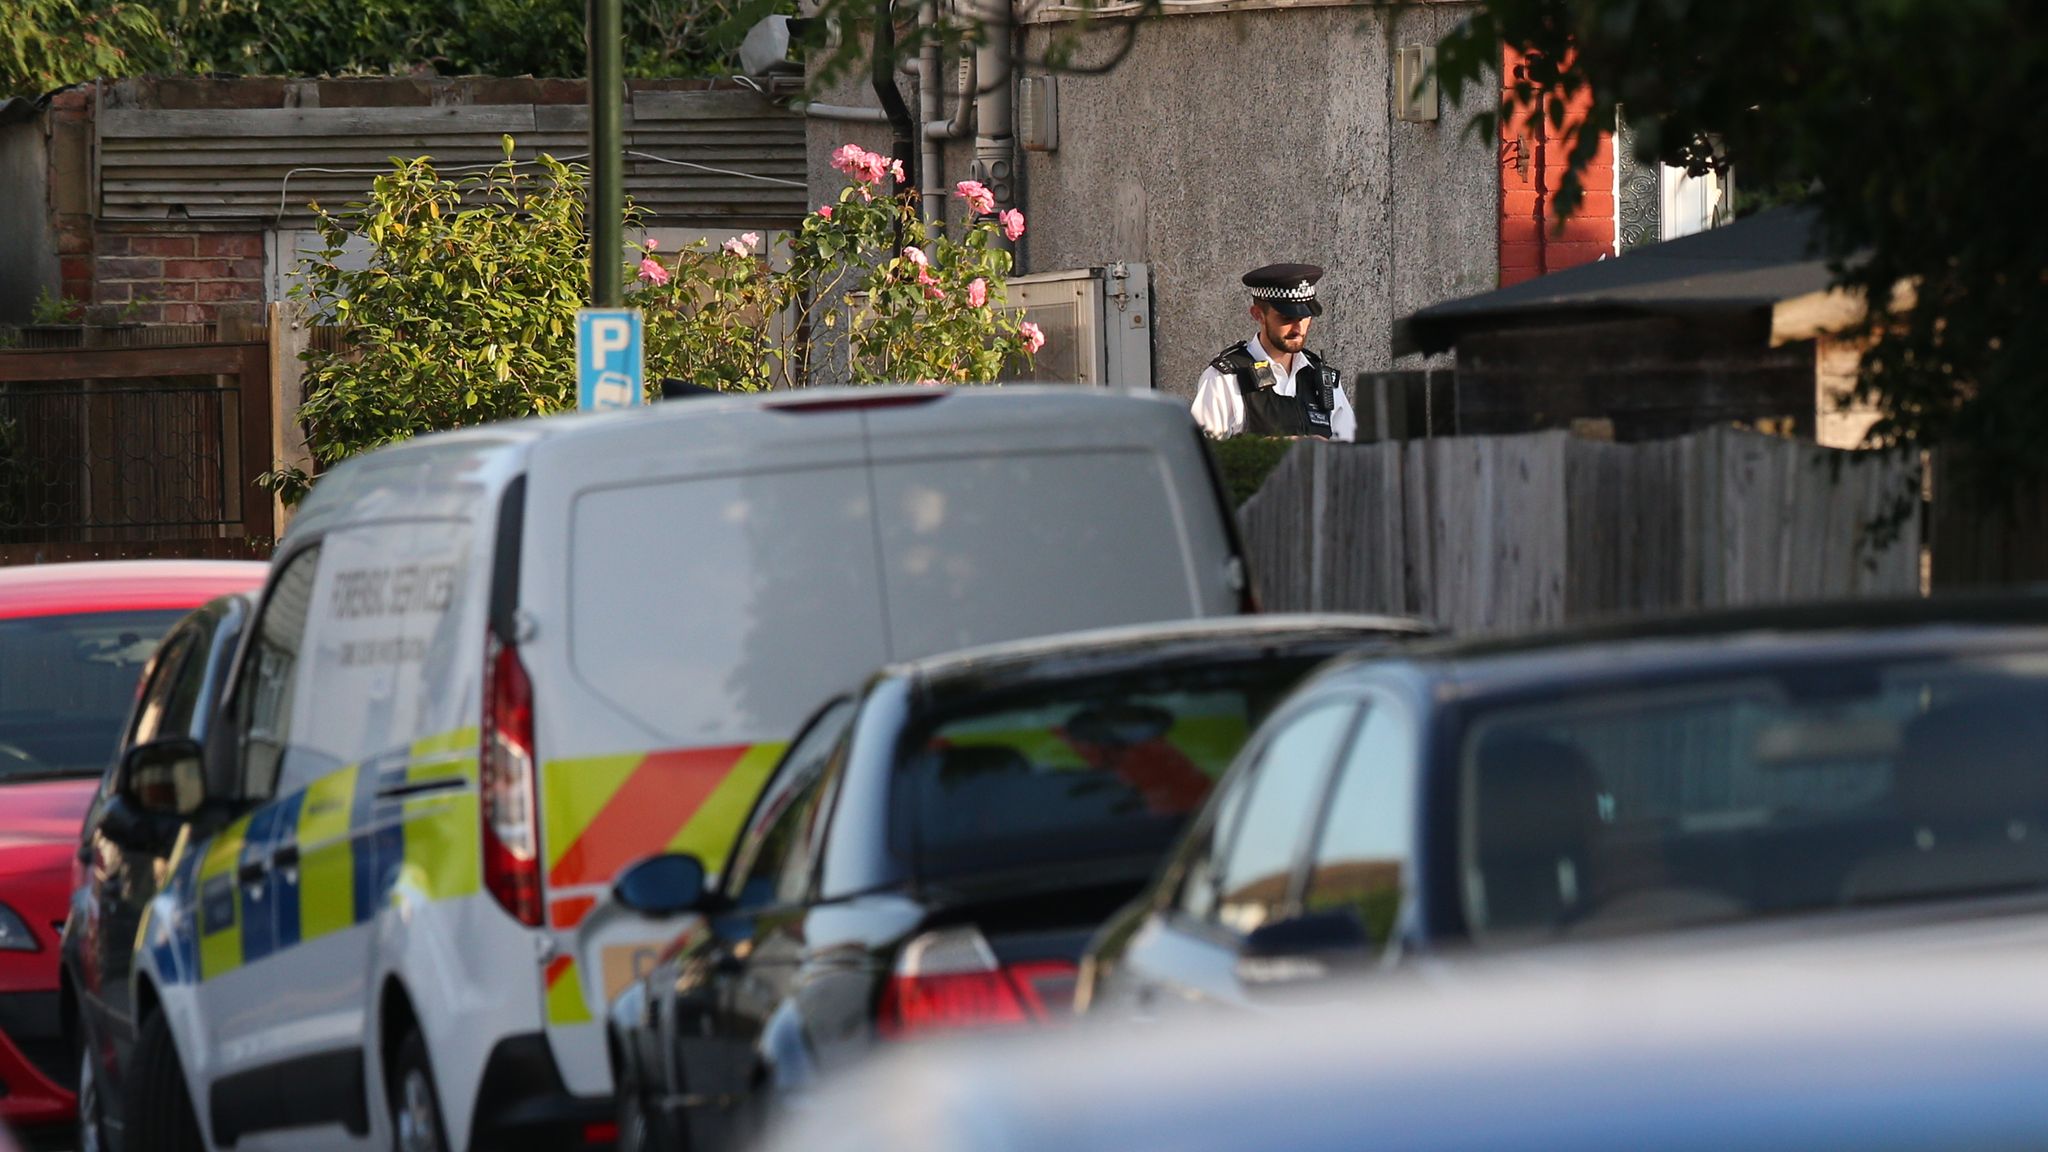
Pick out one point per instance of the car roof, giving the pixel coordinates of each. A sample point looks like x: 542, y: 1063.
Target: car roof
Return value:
x: 1709, y: 642
x: 1838, y: 1046
x: 122, y: 585
x: 1108, y: 651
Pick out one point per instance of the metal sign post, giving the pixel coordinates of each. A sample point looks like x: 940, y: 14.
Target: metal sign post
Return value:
x: 607, y: 156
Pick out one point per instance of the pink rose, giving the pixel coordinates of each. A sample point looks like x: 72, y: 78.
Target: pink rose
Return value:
x: 916, y: 256
x: 980, y: 200
x: 932, y: 291
x: 896, y: 170
x: 977, y: 292
x: 864, y: 166
x: 652, y: 272
x: 751, y: 239
x: 1013, y: 223
x: 735, y: 247
x: 652, y: 243
x: 1034, y: 338
x: 846, y: 157
x: 825, y: 212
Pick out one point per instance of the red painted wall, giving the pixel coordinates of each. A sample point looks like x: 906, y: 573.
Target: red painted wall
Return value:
x: 1532, y: 164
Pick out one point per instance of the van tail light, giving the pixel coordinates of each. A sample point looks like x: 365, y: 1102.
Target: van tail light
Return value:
x: 511, y: 826
x: 951, y: 979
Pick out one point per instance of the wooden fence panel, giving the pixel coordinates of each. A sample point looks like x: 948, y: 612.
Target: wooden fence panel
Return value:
x: 1501, y: 534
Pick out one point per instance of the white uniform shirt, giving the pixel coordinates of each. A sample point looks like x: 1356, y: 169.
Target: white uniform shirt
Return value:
x: 1219, y: 408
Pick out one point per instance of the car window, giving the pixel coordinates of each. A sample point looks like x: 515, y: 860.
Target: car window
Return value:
x: 793, y: 883
x: 175, y: 678
x: 1105, y: 768
x: 67, y: 687
x: 1777, y: 790
x: 1197, y: 897
x: 1279, y: 813
x: 263, y: 703
x: 1363, y: 857
x: 754, y: 874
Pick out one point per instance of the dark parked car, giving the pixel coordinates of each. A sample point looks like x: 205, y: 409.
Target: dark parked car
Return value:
x: 129, y: 834
x: 932, y: 854
x: 1722, y: 769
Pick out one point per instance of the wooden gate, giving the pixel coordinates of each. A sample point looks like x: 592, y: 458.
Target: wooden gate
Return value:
x: 111, y: 453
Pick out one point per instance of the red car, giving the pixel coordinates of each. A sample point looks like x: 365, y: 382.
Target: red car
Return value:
x: 73, y: 640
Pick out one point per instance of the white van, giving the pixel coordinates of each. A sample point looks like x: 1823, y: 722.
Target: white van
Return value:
x: 493, y: 667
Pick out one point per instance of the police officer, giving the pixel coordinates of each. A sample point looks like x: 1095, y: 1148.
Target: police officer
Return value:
x: 1271, y: 385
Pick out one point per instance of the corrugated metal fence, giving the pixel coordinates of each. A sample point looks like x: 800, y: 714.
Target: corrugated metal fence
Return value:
x: 709, y: 158
x: 1502, y: 534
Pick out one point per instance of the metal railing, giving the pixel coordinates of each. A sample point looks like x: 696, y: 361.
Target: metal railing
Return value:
x: 81, y: 460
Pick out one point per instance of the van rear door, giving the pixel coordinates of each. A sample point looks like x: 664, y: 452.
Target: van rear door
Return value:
x: 1023, y: 512
x: 698, y: 583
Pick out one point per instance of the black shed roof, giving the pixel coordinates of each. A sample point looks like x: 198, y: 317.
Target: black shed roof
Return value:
x: 1754, y: 262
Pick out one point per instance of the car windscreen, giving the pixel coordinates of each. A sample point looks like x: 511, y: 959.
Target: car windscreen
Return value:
x: 1105, y: 769
x: 1832, y: 785
x: 66, y: 684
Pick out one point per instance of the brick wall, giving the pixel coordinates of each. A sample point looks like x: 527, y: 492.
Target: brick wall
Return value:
x: 71, y: 190
x: 1533, y: 158
x: 174, y: 278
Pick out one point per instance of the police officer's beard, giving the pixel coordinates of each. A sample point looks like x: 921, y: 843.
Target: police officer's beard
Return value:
x: 1281, y: 342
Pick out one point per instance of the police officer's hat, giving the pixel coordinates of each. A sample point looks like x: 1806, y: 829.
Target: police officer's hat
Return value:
x: 1289, y: 289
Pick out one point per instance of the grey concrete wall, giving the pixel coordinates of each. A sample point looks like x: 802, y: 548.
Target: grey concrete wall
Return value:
x: 28, y: 242
x: 1226, y: 141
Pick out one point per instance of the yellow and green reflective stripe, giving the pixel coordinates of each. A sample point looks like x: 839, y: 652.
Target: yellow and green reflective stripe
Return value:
x: 442, y: 846
x: 220, y: 902
x: 327, y: 882
x: 710, y: 833
x: 565, y: 993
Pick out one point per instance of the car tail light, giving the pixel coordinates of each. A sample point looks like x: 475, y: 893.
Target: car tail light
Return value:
x: 511, y: 828
x: 951, y: 979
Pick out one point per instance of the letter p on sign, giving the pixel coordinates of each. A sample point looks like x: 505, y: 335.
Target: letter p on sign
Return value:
x: 609, y: 373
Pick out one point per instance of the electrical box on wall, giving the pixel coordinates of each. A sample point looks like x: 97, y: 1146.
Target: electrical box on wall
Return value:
x: 1415, y: 93
x: 1097, y: 323
x: 1038, y: 113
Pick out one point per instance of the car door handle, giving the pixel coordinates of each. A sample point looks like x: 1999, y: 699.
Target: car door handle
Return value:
x: 286, y: 856
x: 251, y: 872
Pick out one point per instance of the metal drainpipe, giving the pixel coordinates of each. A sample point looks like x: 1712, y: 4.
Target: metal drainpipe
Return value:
x: 929, y: 108
x: 995, y: 141
x: 882, y: 70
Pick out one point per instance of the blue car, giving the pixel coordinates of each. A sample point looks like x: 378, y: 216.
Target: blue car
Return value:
x: 1703, y: 773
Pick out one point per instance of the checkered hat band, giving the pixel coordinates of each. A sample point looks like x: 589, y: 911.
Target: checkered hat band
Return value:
x: 1303, y: 292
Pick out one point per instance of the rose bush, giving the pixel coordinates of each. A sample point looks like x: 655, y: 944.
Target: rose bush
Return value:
x: 465, y: 310
x: 911, y: 301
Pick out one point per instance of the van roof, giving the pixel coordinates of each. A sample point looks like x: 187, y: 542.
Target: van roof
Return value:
x: 487, y: 456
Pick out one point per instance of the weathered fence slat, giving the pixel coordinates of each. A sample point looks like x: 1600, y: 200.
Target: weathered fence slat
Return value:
x: 1500, y: 534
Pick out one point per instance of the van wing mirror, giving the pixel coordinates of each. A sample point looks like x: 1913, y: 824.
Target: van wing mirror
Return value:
x: 666, y: 885
x: 164, y: 777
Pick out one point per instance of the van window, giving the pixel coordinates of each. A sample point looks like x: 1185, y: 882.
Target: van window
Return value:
x: 263, y: 711
x: 390, y: 622
x: 725, y: 607
x: 999, y: 547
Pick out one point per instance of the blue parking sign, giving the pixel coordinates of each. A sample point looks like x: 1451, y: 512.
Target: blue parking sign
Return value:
x: 609, y: 373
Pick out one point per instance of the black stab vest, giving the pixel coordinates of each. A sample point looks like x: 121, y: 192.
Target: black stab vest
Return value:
x: 1266, y: 412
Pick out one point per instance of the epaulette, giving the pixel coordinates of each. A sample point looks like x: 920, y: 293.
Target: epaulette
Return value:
x: 1222, y: 362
